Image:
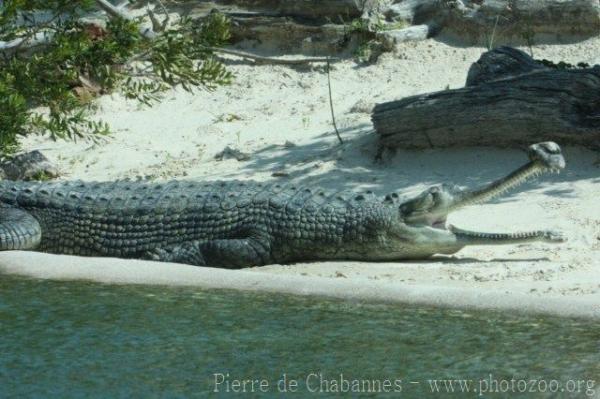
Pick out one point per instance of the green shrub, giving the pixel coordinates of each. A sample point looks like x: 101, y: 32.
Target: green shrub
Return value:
x: 13, y: 117
x: 47, y: 89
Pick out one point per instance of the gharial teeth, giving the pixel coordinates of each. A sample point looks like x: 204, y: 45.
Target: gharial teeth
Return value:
x: 515, y: 181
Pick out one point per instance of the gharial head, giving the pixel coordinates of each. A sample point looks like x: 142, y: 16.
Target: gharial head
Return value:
x: 431, y: 208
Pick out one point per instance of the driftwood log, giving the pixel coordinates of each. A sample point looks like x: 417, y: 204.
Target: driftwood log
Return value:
x: 510, y: 99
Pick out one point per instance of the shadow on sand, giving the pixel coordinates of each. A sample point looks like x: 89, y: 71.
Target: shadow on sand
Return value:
x: 352, y: 165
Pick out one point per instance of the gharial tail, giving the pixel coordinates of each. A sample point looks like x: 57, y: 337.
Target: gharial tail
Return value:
x: 18, y: 229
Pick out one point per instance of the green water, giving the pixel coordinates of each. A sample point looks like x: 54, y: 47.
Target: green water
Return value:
x: 79, y: 339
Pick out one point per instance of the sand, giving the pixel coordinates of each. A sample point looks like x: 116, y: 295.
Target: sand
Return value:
x: 280, y: 117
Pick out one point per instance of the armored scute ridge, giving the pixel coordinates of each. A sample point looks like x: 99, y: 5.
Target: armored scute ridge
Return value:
x: 239, y: 224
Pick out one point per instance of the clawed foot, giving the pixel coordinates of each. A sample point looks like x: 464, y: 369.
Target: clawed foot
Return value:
x: 188, y: 253
x: 554, y: 236
x: 159, y: 254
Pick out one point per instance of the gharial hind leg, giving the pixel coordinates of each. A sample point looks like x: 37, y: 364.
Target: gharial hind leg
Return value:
x: 18, y: 229
x: 226, y: 253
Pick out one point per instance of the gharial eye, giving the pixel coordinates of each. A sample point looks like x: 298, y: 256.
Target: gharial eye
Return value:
x: 435, y: 193
x: 425, y: 202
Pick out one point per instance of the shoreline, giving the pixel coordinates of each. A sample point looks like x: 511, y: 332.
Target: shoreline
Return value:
x: 121, y: 271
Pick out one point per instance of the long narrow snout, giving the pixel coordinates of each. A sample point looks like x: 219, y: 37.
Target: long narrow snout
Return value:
x: 430, y: 209
x: 543, y: 158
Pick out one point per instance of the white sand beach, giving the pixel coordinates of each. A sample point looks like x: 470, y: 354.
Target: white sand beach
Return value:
x: 280, y: 116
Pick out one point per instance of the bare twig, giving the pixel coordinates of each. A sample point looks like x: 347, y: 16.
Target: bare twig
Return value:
x: 112, y: 10
x: 122, y: 3
x: 491, y: 41
x: 89, y: 84
x: 36, y: 40
x: 268, y: 60
x: 115, y: 12
x: 158, y: 26
x: 163, y: 8
x: 331, y: 104
x: 33, y: 39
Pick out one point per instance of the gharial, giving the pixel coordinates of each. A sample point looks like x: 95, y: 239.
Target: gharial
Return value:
x: 239, y: 224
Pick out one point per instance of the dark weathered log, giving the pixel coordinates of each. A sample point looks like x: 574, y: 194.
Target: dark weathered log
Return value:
x: 502, y: 63
x: 502, y: 109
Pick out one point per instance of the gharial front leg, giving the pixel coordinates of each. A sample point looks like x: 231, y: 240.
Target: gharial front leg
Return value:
x: 18, y: 229
x: 226, y: 253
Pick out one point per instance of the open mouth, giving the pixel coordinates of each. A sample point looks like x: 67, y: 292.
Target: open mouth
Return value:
x: 432, y: 207
x: 439, y: 224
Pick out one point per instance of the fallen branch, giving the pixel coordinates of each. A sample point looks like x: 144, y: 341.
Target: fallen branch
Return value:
x: 32, y: 39
x: 270, y: 60
x: 36, y: 40
x: 158, y: 26
x: 115, y: 12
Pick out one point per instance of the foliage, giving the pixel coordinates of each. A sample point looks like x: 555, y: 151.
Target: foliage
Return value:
x: 365, y: 33
x: 41, y: 176
x: 48, y: 89
x: 13, y: 116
